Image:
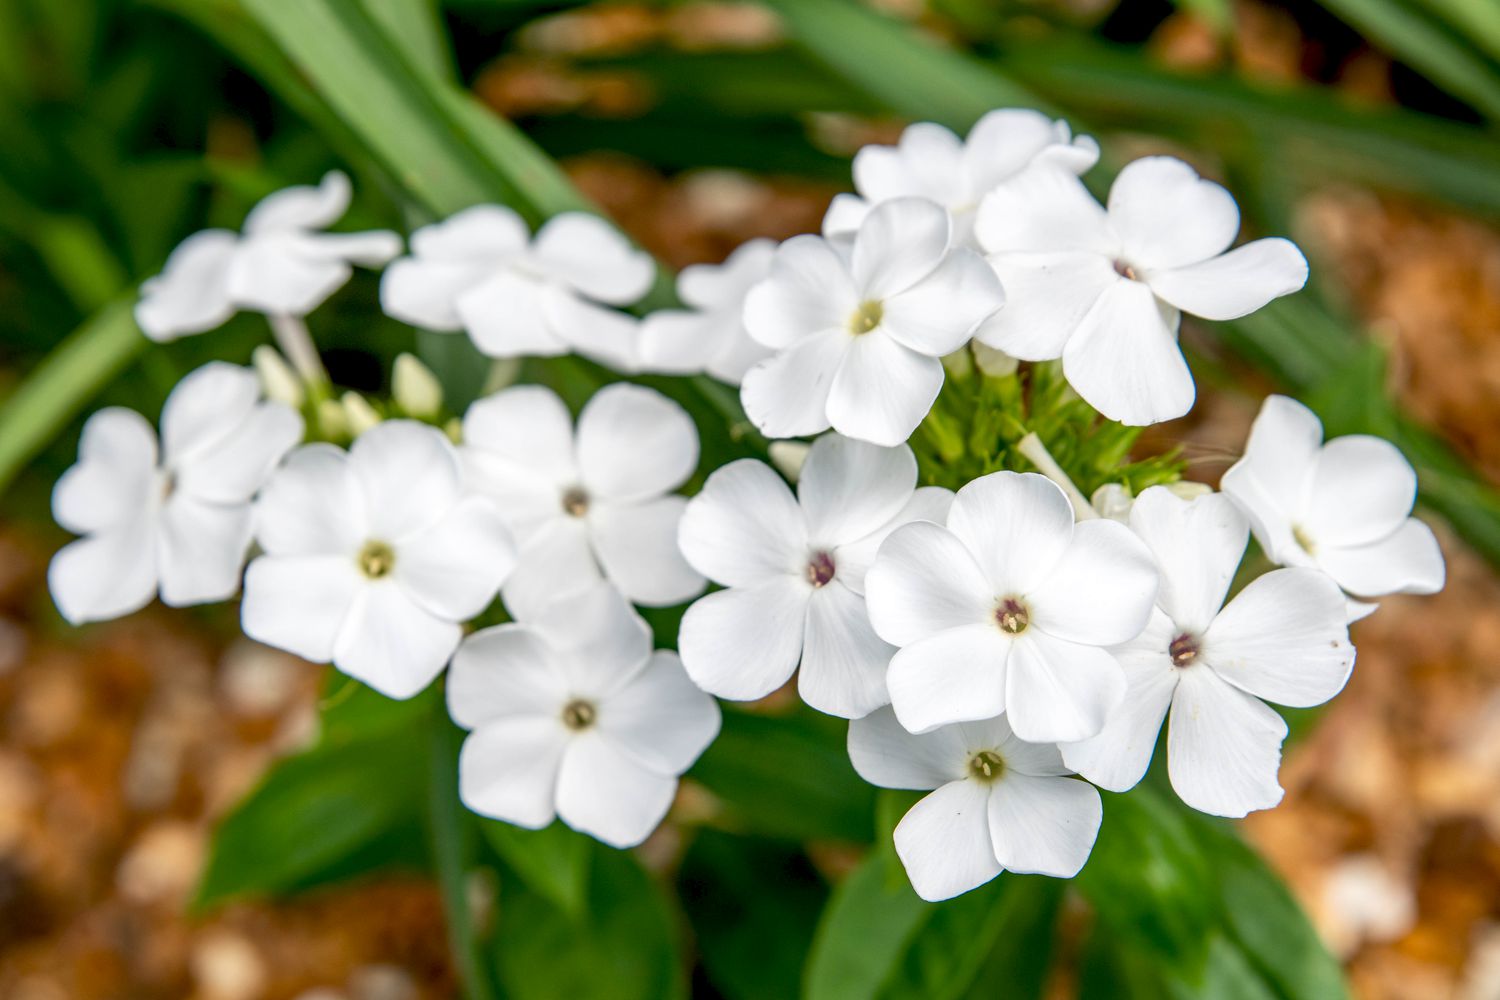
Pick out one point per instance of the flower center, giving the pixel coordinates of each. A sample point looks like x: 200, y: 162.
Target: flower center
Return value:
x: 376, y: 559
x: 168, y: 484
x: 575, y: 501
x: 867, y: 317
x: 578, y: 714
x: 1124, y: 270
x: 820, y: 569
x: 986, y: 765
x: 1303, y: 539
x: 1185, y: 650
x: 1012, y: 617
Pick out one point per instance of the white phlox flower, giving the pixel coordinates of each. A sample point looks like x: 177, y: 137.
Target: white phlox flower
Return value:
x: 794, y: 573
x: 281, y: 264
x: 573, y: 715
x: 710, y: 335
x: 858, y: 329
x: 1104, y: 289
x: 1343, y: 507
x: 175, y: 518
x: 1207, y: 665
x: 481, y: 271
x: 929, y: 161
x: 374, y: 557
x: 593, y: 502
x: 999, y: 803
x: 1008, y: 607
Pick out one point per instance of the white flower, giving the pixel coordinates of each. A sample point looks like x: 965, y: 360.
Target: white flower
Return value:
x: 1282, y: 638
x: 795, y: 568
x: 573, y: 715
x: 373, y: 557
x: 1102, y: 289
x: 1342, y: 507
x: 598, y: 501
x: 482, y: 272
x: 1007, y: 609
x: 178, y: 520
x: 858, y: 331
x: 281, y: 265
x: 1000, y: 804
x: 929, y: 161
x: 710, y: 336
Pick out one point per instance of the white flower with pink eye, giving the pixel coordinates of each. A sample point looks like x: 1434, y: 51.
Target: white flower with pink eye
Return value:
x: 710, y: 335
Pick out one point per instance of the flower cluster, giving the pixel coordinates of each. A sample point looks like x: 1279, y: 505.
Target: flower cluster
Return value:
x: 996, y: 638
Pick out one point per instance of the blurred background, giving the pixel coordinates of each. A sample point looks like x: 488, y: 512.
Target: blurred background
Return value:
x: 1362, y: 128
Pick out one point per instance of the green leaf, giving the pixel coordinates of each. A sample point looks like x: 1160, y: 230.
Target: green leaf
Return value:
x: 553, y: 861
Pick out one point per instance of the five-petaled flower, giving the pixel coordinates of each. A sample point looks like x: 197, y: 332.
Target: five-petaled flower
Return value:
x: 710, y: 336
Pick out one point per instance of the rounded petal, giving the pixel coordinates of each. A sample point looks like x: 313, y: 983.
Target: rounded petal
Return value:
x: 555, y: 559
x: 854, y: 559
x: 425, y: 292
x: 191, y: 295
x: 944, y: 841
x: 518, y: 450
x: 1102, y: 589
x: 603, y: 791
x: 845, y: 213
x: 636, y: 545
x: 597, y: 639
x: 899, y: 243
x: 311, y: 505
x: 115, y: 480
x: 787, y: 395
x: 808, y: 291
x: 455, y: 566
x: 603, y: 335
x: 594, y: 257
x: 660, y: 717
x: 936, y: 315
x: 236, y: 468
x: 926, y: 162
x: 683, y: 342
x: 1168, y: 216
x: 1045, y: 826
x: 483, y: 234
x: 1124, y: 359
x: 849, y: 488
x: 1362, y: 489
x: 504, y: 672
x: 1284, y: 638
x: 1223, y: 747
x: 408, y: 474
x: 506, y: 316
x: 1197, y: 545
x: 723, y: 286
x: 886, y: 754
x: 106, y: 575
x: 375, y: 248
x: 882, y: 390
x: 302, y: 206
x: 634, y: 443
x: 1234, y: 284
x: 1408, y: 561
x: 204, y: 408
x: 744, y: 643
x: 1044, y: 211
x: 954, y: 676
x: 392, y: 644
x: 201, y: 550
x: 925, y: 582
x: 843, y: 660
x: 1271, y: 482
x: 743, y: 526
x: 282, y: 273
x: 1006, y: 141
x: 1058, y: 691
x: 1017, y: 526
x: 508, y: 770
x: 1047, y: 295
x: 299, y: 603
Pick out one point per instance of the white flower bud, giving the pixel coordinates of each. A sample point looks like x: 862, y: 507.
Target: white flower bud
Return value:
x: 359, y: 413
x: 788, y: 457
x: 993, y: 361
x: 277, y: 379
x: 415, y: 388
x: 1113, y: 500
x: 332, y: 419
x: 1189, y: 490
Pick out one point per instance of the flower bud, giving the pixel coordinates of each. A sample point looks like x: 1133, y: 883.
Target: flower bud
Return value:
x: 415, y: 388
x: 333, y: 421
x: 361, y: 416
x: 1113, y: 500
x: 277, y: 380
x: 788, y: 457
x: 1189, y: 490
x: 993, y: 362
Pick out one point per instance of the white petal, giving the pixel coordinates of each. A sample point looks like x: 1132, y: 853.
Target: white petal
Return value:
x: 1102, y: 589
x: 302, y: 206
x: 454, y: 567
x: 809, y: 291
x: 1271, y: 482
x: 924, y: 581
x: 311, y: 504
x: 555, y: 559
x: 843, y: 660
x: 1408, y: 561
x: 391, y: 644
x: 936, y: 315
x: 1167, y: 216
x: 739, y: 353
x: 204, y: 408
x: 1197, y: 545
x: 425, y: 292
x: 596, y: 639
x: 944, y: 841
x: 501, y: 672
x: 744, y: 643
x: 787, y: 395
x: 604, y: 792
x: 482, y: 234
x: 282, y: 273
x: 375, y: 248
x: 508, y: 770
x: 927, y: 162
x: 954, y: 676
x: 636, y: 545
x: 1038, y: 760
x: 743, y: 526
x: 899, y: 243
x: 603, y: 335
x: 191, y: 294
x: 714, y: 286
x: 885, y: 753
x: 506, y: 316
x: 1234, y: 284
x: 1006, y: 141
x: 1223, y: 747
x: 1362, y: 489
x: 849, y: 488
x: 1045, y: 826
x: 634, y: 443
x: 682, y: 342
x: 1283, y: 638
x: 1043, y: 211
x: 1047, y: 295
x: 115, y: 480
x: 845, y: 212
x: 660, y: 717
x: 518, y: 449
x: 1124, y: 359
x: 299, y: 603
x: 1016, y: 525
x: 854, y: 559
x: 594, y: 257
x: 241, y: 462
x: 409, y: 475
x: 106, y: 575
x: 882, y: 390
x: 202, y: 549
x: 1058, y: 691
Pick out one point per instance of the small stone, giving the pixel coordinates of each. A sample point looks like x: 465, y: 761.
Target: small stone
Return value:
x: 226, y: 966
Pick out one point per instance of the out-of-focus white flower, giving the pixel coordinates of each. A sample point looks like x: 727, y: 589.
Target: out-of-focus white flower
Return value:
x: 858, y: 331
x: 1000, y: 804
x: 373, y: 557
x: 415, y: 388
x: 1104, y: 289
x: 794, y: 569
x: 482, y: 272
x: 574, y: 716
x: 177, y: 519
x: 992, y: 361
x: 282, y: 264
x: 1282, y: 638
x: 277, y: 380
x: 710, y: 336
x: 929, y: 161
x: 1008, y: 609
x: 1343, y: 507
x: 598, y: 501
x: 359, y: 415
